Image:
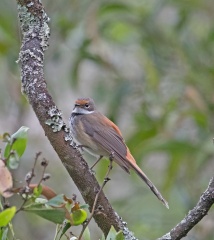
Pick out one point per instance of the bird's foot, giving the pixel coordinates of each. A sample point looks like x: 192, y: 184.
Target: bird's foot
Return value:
x: 81, y: 147
x: 92, y: 171
x: 107, y: 179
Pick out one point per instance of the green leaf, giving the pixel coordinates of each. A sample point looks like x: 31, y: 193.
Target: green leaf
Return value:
x: 114, y: 7
x: 20, y: 140
x: 39, y: 202
x: 120, y: 31
x: 79, y: 216
x: 113, y: 235
x: 119, y: 236
x: 3, y: 233
x: 13, y: 161
x: 65, y: 228
x: 7, y: 150
x: 17, y: 144
x: 54, y: 215
x: 56, y: 201
x: 102, y: 238
x: 86, y: 234
x: 6, y: 216
x: 37, y: 191
x: 84, y: 206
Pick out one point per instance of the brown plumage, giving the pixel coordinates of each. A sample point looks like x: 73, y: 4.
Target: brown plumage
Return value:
x: 102, y: 137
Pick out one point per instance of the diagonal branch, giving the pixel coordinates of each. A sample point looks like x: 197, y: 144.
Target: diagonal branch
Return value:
x: 194, y: 216
x: 35, y: 30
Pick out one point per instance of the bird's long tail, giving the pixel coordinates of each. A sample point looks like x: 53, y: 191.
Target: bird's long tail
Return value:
x: 132, y: 164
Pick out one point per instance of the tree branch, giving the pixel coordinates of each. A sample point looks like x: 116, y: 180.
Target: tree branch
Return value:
x: 194, y: 216
x: 35, y: 30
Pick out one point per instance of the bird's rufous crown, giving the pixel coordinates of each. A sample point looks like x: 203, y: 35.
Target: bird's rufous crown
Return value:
x: 83, y: 101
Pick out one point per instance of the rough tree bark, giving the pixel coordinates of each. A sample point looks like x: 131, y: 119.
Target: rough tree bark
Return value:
x: 35, y: 30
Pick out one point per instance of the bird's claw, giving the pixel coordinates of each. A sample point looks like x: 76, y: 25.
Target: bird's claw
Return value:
x: 81, y: 147
x: 92, y: 171
x: 111, y: 156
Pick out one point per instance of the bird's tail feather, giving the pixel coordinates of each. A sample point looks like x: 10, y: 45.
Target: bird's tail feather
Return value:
x: 132, y: 164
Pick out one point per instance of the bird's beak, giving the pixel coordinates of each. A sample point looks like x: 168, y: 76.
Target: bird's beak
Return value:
x: 76, y: 108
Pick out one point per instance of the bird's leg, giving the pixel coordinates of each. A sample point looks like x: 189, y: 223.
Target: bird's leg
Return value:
x: 111, y: 158
x: 100, y: 157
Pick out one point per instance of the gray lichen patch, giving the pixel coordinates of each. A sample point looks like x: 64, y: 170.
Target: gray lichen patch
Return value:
x: 166, y: 236
x: 36, y: 32
x: 68, y: 136
x: 27, y: 20
x: 54, y: 111
x: 55, y: 120
x: 27, y: 54
x: 128, y: 235
x: 34, y: 25
x: 44, y: 35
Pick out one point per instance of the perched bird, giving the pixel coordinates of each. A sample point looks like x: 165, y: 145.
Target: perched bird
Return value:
x: 101, y: 137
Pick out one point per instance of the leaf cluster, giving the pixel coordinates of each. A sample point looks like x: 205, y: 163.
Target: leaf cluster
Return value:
x: 59, y: 209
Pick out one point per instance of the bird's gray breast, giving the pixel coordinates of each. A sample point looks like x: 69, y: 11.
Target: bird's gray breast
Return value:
x: 78, y: 130
x: 73, y: 124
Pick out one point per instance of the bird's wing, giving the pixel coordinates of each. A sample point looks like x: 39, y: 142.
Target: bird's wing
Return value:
x: 110, y: 139
x: 113, y: 145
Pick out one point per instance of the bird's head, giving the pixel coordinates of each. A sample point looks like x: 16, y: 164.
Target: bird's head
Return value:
x: 84, y: 106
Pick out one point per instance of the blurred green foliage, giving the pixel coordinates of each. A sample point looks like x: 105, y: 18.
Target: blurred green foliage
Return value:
x: 149, y: 66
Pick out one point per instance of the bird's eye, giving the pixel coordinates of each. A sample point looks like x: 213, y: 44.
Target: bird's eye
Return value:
x: 87, y: 105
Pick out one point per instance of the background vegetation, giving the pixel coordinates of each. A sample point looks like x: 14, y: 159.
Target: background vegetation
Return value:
x: 149, y: 66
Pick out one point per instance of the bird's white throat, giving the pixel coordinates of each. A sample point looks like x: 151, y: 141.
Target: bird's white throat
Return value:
x: 79, y: 110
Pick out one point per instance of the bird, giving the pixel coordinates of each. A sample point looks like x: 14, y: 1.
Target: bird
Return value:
x: 99, y: 136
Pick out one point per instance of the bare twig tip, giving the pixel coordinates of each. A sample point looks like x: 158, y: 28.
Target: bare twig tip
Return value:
x: 167, y: 205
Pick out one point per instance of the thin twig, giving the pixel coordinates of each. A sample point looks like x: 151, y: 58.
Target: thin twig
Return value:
x: 106, y: 179
x: 28, y: 180
x: 32, y: 173
x: 43, y: 172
